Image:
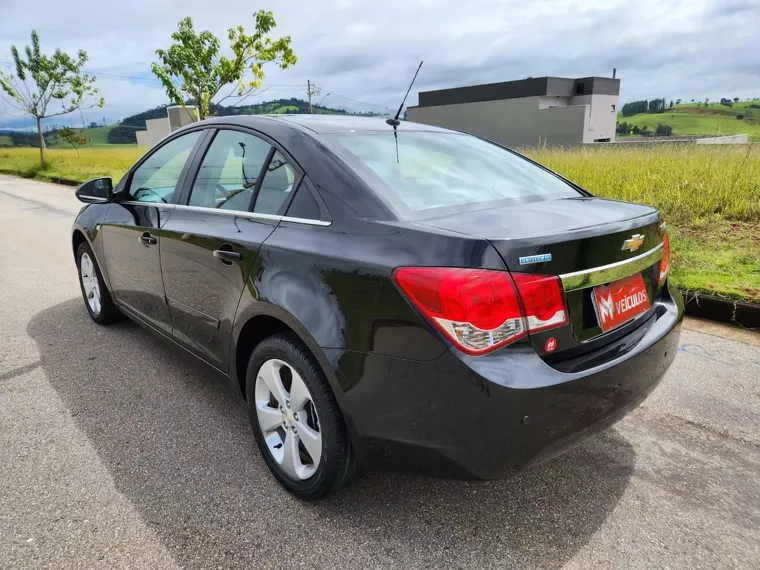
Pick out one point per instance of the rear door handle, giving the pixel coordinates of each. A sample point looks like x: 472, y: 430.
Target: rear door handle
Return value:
x: 147, y: 240
x: 225, y: 255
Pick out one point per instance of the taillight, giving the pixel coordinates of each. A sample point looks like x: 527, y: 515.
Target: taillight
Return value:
x: 543, y: 299
x: 665, y: 261
x: 479, y: 310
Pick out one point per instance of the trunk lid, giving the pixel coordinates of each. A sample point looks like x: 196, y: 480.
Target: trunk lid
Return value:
x: 566, y: 238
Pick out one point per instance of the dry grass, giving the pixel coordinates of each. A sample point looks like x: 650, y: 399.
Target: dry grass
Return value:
x: 688, y: 183
x: 710, y: 196
x: 64, y: 163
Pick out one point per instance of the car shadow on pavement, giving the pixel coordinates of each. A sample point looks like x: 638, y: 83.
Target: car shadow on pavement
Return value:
x: 177, y: 444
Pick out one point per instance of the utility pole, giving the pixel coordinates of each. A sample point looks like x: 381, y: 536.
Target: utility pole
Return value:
x: 308, y: 90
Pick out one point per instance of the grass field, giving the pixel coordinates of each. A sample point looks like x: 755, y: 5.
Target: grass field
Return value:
x: 98, y: 137
x: 713, y: 120
x: 709, y: 195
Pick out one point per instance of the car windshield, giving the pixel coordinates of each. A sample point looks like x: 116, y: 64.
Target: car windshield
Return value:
x: 439, y: 169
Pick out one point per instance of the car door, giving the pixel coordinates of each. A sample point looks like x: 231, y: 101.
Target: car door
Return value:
x: 232, y: 201
x: 131, y: 231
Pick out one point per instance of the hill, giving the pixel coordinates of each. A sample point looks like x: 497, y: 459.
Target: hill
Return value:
x: 124, y: 132
x: 696, y: 119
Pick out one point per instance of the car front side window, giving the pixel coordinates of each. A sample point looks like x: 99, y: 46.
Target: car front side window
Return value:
x: 155, y: 180
x: 230, y: 171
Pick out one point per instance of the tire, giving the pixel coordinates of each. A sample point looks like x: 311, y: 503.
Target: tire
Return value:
x: 305, y: 477
x: 104, y: 311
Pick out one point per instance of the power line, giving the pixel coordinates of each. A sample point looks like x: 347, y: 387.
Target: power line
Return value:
x: 384, y: 108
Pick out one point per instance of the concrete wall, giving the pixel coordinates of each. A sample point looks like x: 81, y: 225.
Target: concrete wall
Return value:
x: 602, y: 117
x: 157, y: 129
x: 513, y: 122
x: 728, y: 139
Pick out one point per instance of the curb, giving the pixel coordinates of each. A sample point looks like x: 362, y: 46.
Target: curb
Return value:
x: 722, y: 310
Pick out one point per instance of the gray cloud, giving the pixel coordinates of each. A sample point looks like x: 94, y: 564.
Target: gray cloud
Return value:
x: 367, y: 52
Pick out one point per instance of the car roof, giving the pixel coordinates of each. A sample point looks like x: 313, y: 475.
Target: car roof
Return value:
x: 323, y: 123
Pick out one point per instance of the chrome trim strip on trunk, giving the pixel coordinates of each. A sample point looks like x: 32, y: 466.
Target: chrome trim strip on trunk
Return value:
x: 612, y: 272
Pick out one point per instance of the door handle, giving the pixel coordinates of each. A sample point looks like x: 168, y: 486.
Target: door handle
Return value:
x: 147, y: 240
x: 226, y: 255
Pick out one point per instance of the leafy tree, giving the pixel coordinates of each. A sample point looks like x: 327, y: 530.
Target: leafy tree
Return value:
x: 736, y: 99
x: 623, y: 128
x: 663, y: 130
x: 726, y: 102
x: 634, y: 108
x: 40, y: 80
x: 93, y: 125
x: 74, y: 138
x: 636, y: 130
x: 707, y: 101
x: 671, y: 104
x: 192, y: 69
x: 678, y: 101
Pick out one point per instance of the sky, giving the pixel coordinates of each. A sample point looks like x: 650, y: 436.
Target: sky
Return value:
x: 362, y: 55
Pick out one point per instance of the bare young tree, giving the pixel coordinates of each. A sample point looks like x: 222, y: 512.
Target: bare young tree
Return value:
x: 41, y: 80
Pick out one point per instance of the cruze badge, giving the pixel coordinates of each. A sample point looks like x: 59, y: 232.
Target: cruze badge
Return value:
x: 634, y: 242
x: 528, y: 259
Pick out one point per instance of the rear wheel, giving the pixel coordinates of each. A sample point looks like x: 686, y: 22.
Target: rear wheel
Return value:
x: 295, y: 419
x: 97, y: 298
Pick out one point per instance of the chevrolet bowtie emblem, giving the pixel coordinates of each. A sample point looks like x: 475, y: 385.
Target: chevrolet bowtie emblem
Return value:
x: 634, y: 242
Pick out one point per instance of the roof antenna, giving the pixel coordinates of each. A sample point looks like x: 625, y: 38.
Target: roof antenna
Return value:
x: 394, y: 122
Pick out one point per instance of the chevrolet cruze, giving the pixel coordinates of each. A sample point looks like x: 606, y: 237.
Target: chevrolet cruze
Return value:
x: 384, y: 296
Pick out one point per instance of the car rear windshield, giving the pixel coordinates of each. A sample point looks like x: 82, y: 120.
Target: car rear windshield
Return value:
x: 440, y: 169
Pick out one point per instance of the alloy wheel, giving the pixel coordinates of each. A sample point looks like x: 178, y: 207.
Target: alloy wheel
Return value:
x: 288, y: 419
x: 90, y: 283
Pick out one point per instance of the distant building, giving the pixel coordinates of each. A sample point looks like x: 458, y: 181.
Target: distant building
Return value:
x: 527, y: 112
x: 156, y: 129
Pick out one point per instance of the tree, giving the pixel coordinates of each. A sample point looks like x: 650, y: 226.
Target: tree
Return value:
x: 192, y: 69
x: 736, y: 99
x: 707, y: 101
x: 678, y: 101
x: 671, y: 104
x: 74, y: 138
x: 40, y: 80
x: 663, y: 130
x: 623, y: 128
x: 93, y: 125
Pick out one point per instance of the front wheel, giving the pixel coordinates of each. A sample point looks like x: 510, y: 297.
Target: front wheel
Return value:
x: 295, y: 419
x: 97, y: 298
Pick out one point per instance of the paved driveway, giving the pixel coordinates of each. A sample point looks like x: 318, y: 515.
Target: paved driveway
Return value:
x: 115, y: 453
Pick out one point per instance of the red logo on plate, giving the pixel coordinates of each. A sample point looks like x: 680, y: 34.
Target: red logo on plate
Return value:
x: 619, y: 302
x: 550, y: 345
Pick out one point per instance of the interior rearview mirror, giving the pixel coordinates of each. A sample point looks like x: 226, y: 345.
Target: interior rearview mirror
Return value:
x: 95, y: 191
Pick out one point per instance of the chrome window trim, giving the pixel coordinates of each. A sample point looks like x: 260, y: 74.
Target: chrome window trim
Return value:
x: 234, y: 213
x: 612, y: 272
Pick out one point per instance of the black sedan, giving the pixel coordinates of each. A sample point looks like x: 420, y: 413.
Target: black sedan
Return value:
x: 409, y: 298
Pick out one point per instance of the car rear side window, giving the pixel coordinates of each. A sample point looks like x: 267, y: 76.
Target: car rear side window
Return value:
x: 439, y: 169
x: 230, y: 171
x: 156, y: 178
x: 276, y: 187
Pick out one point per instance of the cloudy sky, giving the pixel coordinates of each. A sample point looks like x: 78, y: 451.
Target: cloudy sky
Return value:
x: 363, y: 54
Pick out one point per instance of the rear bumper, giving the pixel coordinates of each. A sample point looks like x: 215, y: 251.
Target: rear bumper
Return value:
x: 485, y: 417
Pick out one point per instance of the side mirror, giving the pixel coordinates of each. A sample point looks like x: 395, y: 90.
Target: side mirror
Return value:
x: 95, y: 191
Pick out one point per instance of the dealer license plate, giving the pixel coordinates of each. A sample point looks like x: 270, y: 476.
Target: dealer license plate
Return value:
x: 620, y: 301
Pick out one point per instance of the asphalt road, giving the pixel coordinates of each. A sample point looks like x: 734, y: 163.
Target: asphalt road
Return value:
x: 117, y: 453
